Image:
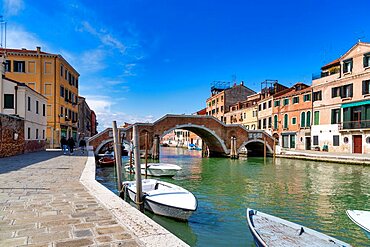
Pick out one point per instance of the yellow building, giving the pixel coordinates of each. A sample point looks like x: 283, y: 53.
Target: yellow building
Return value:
x: 244, y: 112
x: 52, y: 76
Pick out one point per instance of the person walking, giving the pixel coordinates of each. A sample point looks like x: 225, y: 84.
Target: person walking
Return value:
x: 63, y: 144
x: 71, y: 145
x: 82, y: 145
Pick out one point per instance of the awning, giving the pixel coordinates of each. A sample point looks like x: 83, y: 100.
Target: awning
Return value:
x: 359, y: 103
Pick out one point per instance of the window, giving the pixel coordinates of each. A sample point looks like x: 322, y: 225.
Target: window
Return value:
x: 19, y: 66
x: 335, y: 116
x: 294, y: 120
x: 275, y: 122
x: 269, y: 123
x: 264, y: 123
x: 222, y: 108
x: 366, y: 87
x: 61, y: 91
x: 216, y: 99
x: 292, y: 141
x: 61, y: 111
x: 8, y: 66
x: 315, y: 140
x: 28, y: 133
x: 316, y: 116
x: 308, y: 119
x: 29, y: 103
x: 286, y: 101
x: 366, y: 60
x: 285, y: 141
x: 222, y: 97
x: 8, y: 101
x: 264, y: 106
x: 317, y: 96
x: 37, y: 134
x: 277, y: 103
x: 303, y: 119
x: 335, y: 140
x: 213, y: 102
x: 48, y: 89
x: 37, y: 107
x: 368, y: 140
x: 285, y: 121
x: 295, y: 100
x: 347, y: 66
x: 335, y: 92
x: 307, y: 97
x: 43, y: 110
x: 254, y: 113
x: 269, y: 104
x: 43, y: 134
x: 65, y: 94
x: 259, y: 107
x: 345, y: 139
x: 61, y: 70
x: 347, y: 91
x: 65, y: 74
x: 31, y: 68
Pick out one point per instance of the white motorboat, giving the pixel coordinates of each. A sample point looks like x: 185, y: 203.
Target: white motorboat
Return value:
x: 361, y: 218
x: 164, y: 198
x: 158, y: 169
x: 268, y: 230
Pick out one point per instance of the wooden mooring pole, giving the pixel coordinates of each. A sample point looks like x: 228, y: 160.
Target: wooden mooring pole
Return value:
x: 139, y: 190
x: 146, y: 154
x: 264, y: 149
x: 118, y: 155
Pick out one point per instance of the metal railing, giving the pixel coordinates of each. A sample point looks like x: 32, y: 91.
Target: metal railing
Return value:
x: 359, y: 124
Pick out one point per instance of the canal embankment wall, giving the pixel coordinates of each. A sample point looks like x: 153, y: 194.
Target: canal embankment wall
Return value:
x: 145, y: 229
x: 344, y: 158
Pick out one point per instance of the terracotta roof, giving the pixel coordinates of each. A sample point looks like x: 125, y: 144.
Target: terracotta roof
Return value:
x: 202, y: 112
x: 332, y: 63
x: 291, y: 91
x: 25, y: 51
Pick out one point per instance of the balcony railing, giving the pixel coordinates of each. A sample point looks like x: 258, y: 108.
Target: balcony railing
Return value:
x: 323, y: 74
x: 359, y: 124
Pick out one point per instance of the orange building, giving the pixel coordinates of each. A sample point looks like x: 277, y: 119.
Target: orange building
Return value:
x: 53, y: 77
x: 292, y: 117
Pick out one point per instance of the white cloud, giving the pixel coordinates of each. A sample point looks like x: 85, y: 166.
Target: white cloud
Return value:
x: 17, y: 37
x: 12, y: 7
x: 104, y: 37
x: 129, y: 69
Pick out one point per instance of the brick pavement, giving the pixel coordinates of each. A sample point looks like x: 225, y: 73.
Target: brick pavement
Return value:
x: 42, y: 203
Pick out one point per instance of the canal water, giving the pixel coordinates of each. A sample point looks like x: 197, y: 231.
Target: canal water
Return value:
x: 314, y: 194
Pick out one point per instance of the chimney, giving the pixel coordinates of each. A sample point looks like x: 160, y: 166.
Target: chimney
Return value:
x: 38, y: 49
x: 242, y: 83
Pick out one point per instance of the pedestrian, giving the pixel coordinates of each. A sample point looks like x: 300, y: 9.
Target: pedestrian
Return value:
x: 71, y: 145
x: 63, y: 144
x: 82, y: 145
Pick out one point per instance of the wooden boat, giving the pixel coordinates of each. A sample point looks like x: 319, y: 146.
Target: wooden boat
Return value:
x: 106, y: 161
x: 268, y: 230
x: 158, y: 169
x: 361, y: 218
x: 164, y: 198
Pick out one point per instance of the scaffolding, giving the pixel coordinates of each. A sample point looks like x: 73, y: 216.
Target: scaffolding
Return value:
x: 219, y: 86
x: 268, y: 87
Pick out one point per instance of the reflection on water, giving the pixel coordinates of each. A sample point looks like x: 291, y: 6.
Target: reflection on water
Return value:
x: 313, y: 194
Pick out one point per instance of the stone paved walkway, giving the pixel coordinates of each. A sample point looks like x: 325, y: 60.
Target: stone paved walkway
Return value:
x: 42, y: 203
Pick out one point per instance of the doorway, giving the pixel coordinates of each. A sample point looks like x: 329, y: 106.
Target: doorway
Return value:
x: 357, y: 144
x: 308, y: 143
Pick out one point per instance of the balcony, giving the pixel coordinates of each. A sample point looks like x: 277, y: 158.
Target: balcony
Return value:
x: 324, y: 74
x: 359, y: 124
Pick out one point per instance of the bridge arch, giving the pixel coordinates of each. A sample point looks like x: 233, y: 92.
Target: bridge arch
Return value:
x: 105, y: 142
x: 215, y: 144
x: 256, y: 147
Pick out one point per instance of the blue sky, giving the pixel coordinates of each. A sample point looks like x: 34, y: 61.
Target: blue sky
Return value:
x: 141, y: 59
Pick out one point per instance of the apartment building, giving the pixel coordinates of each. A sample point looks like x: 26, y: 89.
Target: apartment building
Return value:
x: 84, y: 119
x: 244, y: 112
x: 94, y: 124
x: 223, y: 96
x: 53, y: 77
x: 265, y: 105
x: 17, y: 99
x: 292, y: 113
x: 341, y: 103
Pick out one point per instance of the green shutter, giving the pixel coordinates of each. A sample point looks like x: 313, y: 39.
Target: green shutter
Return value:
x: 286, y: 121
x: 308, y: 119
x: 303, y: 119
x: 316, y: 118
x: 275, y: 122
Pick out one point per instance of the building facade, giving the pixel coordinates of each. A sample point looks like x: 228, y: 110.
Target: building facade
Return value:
x: 53, y: 77
x: 94, y: 124
x: 223, y: 96
x: 84, y: 119
x: 292, y: 113
x: 341, y: 95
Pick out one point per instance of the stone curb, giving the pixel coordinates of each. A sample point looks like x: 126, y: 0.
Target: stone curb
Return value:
x: 341, y: 160
x: 148, y: 232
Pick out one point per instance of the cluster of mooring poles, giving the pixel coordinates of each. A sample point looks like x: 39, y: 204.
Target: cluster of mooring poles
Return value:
x: 134, y: 156
x: 233, y: 149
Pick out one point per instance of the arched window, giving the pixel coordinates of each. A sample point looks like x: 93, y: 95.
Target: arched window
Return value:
x: 308, y: 119
x: 303, y: 119
x: 285, y: 121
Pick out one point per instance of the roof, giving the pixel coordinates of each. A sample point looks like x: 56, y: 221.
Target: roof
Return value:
x: 331, y: 64
x: 202, y: 112
x: 291, y: 91
x: 353, y: 47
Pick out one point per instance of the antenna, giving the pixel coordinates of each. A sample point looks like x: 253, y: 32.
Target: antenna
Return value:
x: 3, y: 32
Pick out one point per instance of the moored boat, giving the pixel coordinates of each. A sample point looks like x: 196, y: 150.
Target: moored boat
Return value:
x: 164, y: 198
x: 106, y: 161
x: 360, y: 218
x: 158, y: 169
x: 268, y: 230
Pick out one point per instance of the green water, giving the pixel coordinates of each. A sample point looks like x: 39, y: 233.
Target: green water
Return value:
x: 314, y: 194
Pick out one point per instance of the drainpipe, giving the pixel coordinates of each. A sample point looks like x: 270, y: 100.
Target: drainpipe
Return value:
x: 16, y: 100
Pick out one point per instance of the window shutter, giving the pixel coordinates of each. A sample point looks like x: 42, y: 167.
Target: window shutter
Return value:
x: 364, y: 88
x: 351, y: 90
x: 332, y: 92
x: 333, y: 116
x: 342, y: 92
x: 366, y: 64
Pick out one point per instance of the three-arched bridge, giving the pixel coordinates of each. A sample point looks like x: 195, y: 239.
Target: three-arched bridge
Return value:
x: 221, y: 139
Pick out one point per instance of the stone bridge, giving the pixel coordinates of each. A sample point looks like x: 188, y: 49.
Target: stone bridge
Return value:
x: 221, y: 139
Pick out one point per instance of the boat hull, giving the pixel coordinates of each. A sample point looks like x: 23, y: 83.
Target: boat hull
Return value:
x: 360, y: 218
x: 152, y: 204
x: 268, y: 230
x: 156, y: 170
x: 106, y: 162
